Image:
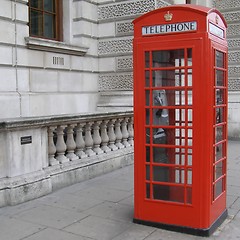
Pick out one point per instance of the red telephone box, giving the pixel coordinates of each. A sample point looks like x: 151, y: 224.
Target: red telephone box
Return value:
x: 180, y: 112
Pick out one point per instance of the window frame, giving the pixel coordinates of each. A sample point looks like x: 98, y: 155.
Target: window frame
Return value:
x: 58, y: 23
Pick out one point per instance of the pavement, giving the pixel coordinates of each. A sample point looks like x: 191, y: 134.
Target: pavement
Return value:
x: 102, y: 209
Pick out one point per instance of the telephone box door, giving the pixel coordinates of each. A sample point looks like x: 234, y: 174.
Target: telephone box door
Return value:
x: 168, y: 80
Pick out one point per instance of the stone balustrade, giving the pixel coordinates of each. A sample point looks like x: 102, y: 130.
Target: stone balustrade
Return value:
x: 87, y: 137
x: 42, y: 154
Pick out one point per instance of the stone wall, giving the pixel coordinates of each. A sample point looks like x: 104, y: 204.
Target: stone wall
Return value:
x: 115, y: 50
x: 40, y: 77
x: 231, y: 12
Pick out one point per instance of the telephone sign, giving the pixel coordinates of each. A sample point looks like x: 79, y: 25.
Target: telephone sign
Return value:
x: 180, y: 114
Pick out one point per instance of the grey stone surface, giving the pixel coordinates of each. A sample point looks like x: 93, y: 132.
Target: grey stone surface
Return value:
x: 102, y: 209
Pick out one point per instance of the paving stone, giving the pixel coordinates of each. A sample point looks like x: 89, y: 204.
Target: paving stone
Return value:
x: 14, y: 229
x: 104, y: 193
x: 111, y: 210
x: 135, y: 232
x: 50, y: 234
x: 50, y: 216
x: 70, y: 201
x: 98, y: 228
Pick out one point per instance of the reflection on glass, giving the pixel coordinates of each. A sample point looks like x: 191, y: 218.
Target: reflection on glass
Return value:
x: 147, y: 154
x: 160, y: 155
x: 218, y: 188
x: 147, y: 59
x: 148, y: 134
x: 147, y: 97
x: 147, y: 190
x: 147, y: 116
x: 147, y: 80
x: 148, y: 172
x: 219, y: 133
x: 219, y: 152
x: 189, y: 56
x: 36, y: 23
x: 219, y: 96
x: 189, y: 195
x: 167, y: 78
x: 36, y: 4
x: 189, y: 78
x: 179, y: 78
x: 219, y: 115
x: 219, y: 78
x: 49, y: 5
x: 49, y: 26
x: 189, y: 176
x: 219, y: 59
x: 160, y: 174
x: 161, y: 192
x: 218, y: 170
x: 166, y: 58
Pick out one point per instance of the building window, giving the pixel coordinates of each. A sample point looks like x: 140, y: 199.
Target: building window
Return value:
x: 45, y: 19
x: 188, y: 1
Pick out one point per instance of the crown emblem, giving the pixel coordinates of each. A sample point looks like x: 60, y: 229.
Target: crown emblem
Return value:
x: 217, y: 19
x: 168, y: 16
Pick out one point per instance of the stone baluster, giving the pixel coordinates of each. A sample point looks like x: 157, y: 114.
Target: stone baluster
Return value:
x: 118, y: 133
x: 111, y: 135
x: 96, y: 138
x: 130, y: 131
x: 51, y: 147
x: 89, y: 140
x: 71, y: 145
x: 80, y: 143
x: 104, y: 136
x: 125, y: 133
x: 61, y: 146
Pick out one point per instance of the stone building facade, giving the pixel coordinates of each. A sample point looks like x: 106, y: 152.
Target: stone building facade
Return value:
x: 91, y: 68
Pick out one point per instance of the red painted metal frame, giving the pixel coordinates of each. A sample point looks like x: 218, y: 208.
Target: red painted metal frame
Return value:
x: 203, y: 208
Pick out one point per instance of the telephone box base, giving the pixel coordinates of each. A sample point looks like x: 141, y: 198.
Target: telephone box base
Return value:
x: 193, y: 231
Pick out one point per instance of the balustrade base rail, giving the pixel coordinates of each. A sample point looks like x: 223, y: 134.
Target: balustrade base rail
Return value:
x: 41, y: 155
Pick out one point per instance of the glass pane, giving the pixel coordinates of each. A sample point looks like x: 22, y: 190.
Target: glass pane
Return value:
x: 161, y: 174
x: 219, y: 154
x: 189, y: 176
x: 147, y: 116
x: 168, y: 58
x: 49, y: 5
x: 180, y: 156
x: 219, y: 115
x: 49, y: 26
x: 36, y: 23
x: 147, y: 190
x: 189, y: 195
x: 219, y: 59
x: 160, y: 155
x: 147, y: 80
x: 219, y: 78
x: 147, y: 97
x: 147, y: 154
x: 189, y: 77
x: 219, y: 96
x: 189, y: 157
x: 218, y: 188
x: 189, y: 57
x: 218, y: 171
x: 159, y: 136
x: 168, y: 193
x: 147, y: 59
x: 219, y: 133
x: 36, y: 4
x: 168, y: 78
x: 148, y: 135
x: 148, y: 172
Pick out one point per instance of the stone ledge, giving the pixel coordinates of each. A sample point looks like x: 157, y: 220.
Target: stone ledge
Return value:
x: 55, y: 46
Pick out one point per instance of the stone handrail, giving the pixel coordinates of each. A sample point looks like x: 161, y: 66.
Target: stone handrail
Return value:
x: 42, y: 154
